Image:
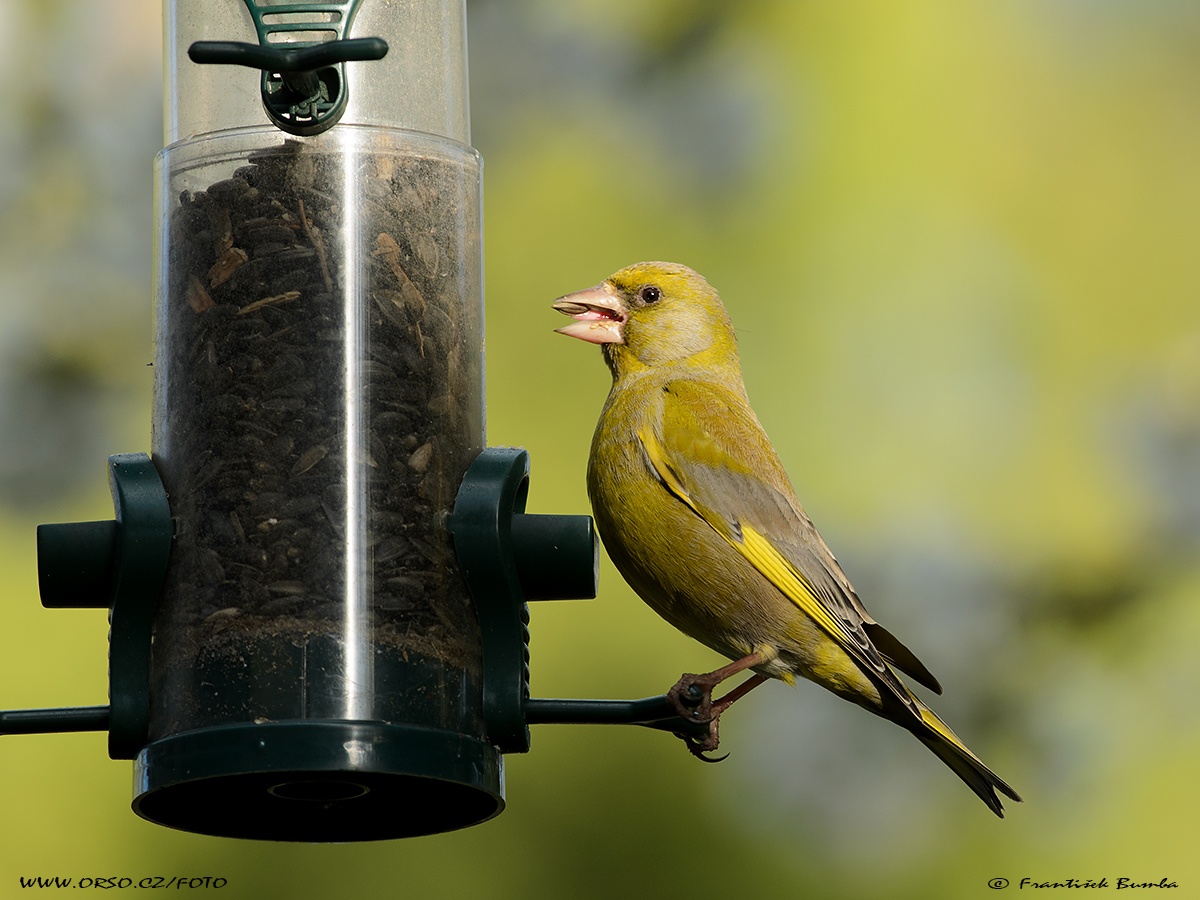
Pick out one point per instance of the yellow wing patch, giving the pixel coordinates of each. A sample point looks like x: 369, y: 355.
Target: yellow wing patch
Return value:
x: 791, y: 582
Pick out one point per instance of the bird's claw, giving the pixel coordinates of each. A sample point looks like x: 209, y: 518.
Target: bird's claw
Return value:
x: 699, y: 746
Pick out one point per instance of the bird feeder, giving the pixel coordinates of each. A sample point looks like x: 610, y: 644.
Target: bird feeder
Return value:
x: 317, y: 580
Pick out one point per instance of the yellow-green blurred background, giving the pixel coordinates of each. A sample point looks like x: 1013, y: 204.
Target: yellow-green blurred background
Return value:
x: 959, y: 241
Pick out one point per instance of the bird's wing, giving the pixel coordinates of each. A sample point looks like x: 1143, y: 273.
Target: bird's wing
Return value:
x: 695, y: 455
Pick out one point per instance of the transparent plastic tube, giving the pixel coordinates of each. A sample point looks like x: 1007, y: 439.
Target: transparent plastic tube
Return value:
x: 319, y: 388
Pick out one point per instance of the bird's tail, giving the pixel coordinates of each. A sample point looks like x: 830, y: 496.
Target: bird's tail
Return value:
x: 937, y: 736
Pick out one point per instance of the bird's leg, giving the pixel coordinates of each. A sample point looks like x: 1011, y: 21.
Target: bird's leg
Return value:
x: 719, y: 706
x: 692, y: 698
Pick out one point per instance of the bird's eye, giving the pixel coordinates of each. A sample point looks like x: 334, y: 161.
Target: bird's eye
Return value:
x: 650, y: 294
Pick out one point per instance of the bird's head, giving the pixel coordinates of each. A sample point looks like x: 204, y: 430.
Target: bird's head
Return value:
x: 652, y: 313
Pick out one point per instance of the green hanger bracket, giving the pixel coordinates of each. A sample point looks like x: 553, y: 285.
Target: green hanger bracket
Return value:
x: 303, y: 83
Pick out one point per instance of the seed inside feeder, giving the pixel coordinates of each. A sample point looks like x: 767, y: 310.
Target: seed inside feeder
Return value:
x: 319, y: 389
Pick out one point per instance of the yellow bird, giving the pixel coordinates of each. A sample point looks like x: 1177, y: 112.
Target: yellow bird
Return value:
x: 697, y: 512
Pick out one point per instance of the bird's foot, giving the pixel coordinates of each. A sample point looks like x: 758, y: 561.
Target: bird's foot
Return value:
x: 692, y: 699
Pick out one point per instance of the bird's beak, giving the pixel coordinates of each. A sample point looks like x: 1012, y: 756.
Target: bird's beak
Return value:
x: 599, y: 313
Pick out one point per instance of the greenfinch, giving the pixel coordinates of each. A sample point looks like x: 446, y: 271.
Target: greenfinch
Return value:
x: 698, y: 515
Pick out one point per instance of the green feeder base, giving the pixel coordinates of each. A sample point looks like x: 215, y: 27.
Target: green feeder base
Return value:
x: 318, y: 781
